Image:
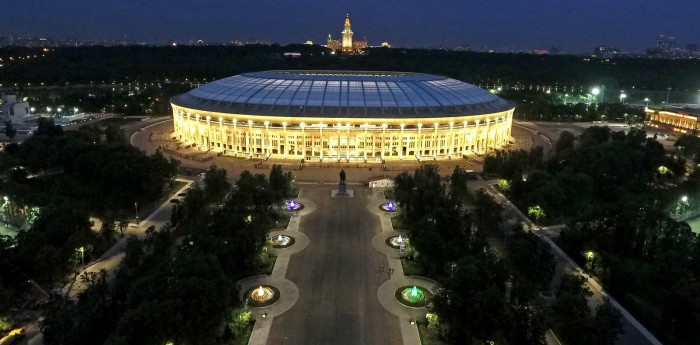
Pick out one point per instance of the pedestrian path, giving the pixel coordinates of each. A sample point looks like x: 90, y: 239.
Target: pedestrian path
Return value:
x: 289, y: 293
x: 385, y: 294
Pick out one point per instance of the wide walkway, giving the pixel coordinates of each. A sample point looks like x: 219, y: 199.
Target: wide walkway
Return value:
x: 337, y: 277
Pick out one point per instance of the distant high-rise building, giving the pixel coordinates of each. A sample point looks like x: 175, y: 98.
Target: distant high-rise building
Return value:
x: 606, y: 51
x: 346, y: 44
x: 665, y: 43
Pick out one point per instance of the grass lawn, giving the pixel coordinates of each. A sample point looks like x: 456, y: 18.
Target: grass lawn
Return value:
x: 397, y: 223
x: 389, y: 193
x: 244, y: 338
x: 428, y: 336
x: 411, y: 268
x: 267, y: 265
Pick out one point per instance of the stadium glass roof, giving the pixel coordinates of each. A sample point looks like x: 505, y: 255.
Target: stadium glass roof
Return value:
x: 342, y: 93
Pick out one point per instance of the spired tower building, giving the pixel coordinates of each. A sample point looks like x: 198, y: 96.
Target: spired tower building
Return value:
x: 346, y: 44
x: 347, y: 36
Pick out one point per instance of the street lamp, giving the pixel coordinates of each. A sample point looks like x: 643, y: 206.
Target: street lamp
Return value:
x: 647, y: 100
x: 683, y: 199
x: 136, y: 207
x: 595, y: 91
x: 622, y: 97
x: 566, y: 97
x: 81, y: 250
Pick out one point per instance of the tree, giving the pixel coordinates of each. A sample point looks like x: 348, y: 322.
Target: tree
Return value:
x: 458, y: 185
x: 215, y: 184
x: 280, y: 183
x: 607, y: 324
x: 570, y: 311
x: 565, y: 143
x: 10, y: 130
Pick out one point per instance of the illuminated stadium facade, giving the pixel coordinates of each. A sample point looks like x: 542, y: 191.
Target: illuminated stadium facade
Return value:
x: 342, y: 115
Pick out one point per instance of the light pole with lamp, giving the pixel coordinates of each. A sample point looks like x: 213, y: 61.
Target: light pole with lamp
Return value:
x: 668, y: 94
x: 6, y: 206
x: 81, y: 250
x: 647, y: 100
x: 622, y: 97
x: 136, y: 207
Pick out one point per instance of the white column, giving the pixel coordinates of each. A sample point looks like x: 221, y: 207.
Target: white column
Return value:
x: 401, y: 139
x: 235, y: 138
x: 303, y: 140
x: 286, y: 142
x: 420, y: 140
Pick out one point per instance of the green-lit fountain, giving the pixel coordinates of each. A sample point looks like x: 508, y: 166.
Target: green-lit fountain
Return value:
x: 413, y: 296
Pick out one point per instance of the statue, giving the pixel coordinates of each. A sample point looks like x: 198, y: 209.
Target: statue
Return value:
x: 342, y: 187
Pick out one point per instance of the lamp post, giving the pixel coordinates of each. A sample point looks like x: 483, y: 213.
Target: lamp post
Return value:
x: 647, y: 101
x: 623, y: 95
x: 136, y: 207
x: 595, y: 92
x: 668, y: 94
x: 566, y: 97
x: 81, y: 250
x: 6, y: 206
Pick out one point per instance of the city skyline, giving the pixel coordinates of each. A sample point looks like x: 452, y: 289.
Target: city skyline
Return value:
x: 535, y: 25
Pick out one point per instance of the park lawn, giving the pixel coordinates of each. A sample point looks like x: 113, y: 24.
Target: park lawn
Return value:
x: 267, y: 265
x: 389, y: 194
x: 428, y: 336
x: 244, y: 339
x: 412, y: 268
x: 397, y: 223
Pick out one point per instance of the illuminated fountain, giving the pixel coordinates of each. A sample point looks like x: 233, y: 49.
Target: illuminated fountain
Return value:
x: 413, y: 296
x: 293, y: 205
x: 388, y: 207
x: 397, y: 241
x: 262, y: 296
x: 281, y: 241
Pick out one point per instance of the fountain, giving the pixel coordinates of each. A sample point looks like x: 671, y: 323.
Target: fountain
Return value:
x: 389, y: 206
x: 281, y: 241
x: 293, y: 205
x: 397, y: 241
x: 413, y: 296
x: 262, y: 296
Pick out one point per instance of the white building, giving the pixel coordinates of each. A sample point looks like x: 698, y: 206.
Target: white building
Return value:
x: 11, y: 110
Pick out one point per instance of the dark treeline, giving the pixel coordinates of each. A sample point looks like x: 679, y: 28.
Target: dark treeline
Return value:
x: 127, y: 64
x: 486, y: 295
x: 622, y: 197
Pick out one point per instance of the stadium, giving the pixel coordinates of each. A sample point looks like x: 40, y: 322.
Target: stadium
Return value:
x: 341, y: 116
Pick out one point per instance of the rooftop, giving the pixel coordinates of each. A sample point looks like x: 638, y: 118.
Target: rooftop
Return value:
x: 350, y: 94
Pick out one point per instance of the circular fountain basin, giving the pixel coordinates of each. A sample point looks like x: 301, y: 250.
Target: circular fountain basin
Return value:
x: 413, y: 296
x: 293, y: 205
x: 389, y: 207
x: 262, y: 296
x: 396, y: 241
x: 281, y: 241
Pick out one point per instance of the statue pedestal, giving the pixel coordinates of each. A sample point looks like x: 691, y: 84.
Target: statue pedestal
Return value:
x: 342, y: 191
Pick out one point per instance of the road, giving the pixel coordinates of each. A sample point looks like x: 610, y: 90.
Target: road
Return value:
x: 634, y: 332
x: 337, y: 276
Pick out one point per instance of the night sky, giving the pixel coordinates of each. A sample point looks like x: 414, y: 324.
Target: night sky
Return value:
x: 576, y: 26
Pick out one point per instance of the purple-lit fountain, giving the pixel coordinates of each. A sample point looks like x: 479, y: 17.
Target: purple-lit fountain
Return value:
x: 389, y: 206
x: 293, y: 205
